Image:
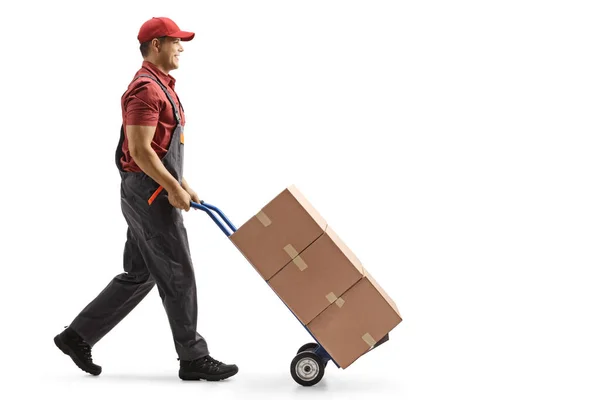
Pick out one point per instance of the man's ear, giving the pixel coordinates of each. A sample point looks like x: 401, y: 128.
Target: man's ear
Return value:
x: 156, y: 43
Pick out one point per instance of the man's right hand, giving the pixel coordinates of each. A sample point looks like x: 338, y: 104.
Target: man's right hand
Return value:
x: 179, y: 198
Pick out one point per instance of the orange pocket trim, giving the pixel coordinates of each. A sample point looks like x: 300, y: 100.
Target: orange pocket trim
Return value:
x: 155, y: 195
x: 181, y: 137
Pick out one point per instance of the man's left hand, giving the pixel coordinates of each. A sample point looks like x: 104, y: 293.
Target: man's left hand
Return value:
x: 193, y: 195
x: 191, y: 192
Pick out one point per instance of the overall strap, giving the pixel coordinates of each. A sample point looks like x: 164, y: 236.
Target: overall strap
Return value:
x: 175, y: 109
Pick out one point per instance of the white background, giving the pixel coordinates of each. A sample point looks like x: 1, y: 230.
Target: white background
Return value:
x: 453, y: 145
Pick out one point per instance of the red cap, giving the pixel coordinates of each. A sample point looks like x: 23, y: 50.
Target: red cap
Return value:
x: 162, y: 26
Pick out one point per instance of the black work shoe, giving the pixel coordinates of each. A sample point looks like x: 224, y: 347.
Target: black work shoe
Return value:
x: 80, y: 352
x: 206, y: 368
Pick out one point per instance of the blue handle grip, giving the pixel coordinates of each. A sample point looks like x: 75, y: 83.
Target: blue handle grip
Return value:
x: 209, y: 208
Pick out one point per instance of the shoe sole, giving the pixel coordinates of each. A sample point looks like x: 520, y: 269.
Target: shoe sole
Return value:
x: 67, y: 350
x: 196, y: 376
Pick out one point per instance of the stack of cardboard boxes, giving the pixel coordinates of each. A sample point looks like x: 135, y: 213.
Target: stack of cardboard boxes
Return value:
x: 317, y: 276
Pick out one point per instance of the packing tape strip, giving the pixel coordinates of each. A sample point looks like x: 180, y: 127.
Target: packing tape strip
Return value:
x: 300, y: 263
x: 291, y: 251
x: 340, y: 302
x: 331, y: 297
x: 369, y: 339
x: 262, y: 217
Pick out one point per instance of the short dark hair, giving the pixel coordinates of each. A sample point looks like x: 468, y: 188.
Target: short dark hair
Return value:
x: 145, y: 47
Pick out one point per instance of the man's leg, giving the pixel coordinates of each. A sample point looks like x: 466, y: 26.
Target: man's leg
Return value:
x: 120, y: 296
x: 165, y: 248
x: 168, y: 259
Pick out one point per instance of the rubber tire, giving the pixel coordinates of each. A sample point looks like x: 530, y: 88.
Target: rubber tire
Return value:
x: 307, y: 347
x: 317, y: 359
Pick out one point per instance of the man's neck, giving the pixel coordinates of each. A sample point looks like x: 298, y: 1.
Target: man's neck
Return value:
x: 161, y: 68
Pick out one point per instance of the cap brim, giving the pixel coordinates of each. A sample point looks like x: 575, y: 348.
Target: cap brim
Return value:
x: 184, y: 36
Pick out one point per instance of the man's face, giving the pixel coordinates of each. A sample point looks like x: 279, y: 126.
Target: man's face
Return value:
x: 168, y: 55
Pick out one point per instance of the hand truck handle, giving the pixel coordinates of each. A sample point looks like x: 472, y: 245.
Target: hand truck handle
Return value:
x: 209, y: 210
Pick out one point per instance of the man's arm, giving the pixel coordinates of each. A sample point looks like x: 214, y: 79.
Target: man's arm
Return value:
x: 140, y: 147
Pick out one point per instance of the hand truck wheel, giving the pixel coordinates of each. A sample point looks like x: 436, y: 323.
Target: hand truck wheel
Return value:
x: 307, y: 368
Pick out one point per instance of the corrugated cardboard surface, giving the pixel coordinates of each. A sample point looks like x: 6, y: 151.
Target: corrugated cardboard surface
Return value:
x: 328, y: 269
x: 349, y: 331
x: 287, y: 222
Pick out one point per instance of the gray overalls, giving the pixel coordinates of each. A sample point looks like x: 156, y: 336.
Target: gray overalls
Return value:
x: 156, y: 251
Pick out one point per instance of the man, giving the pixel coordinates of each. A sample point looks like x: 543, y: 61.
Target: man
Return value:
x: 153, y: 194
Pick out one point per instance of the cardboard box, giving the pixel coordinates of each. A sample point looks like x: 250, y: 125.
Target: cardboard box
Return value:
x: 317, y: 276
x: 349, y: 328
x: 282, y: 229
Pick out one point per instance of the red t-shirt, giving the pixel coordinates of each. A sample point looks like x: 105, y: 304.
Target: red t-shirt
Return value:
x: 145, y: 103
